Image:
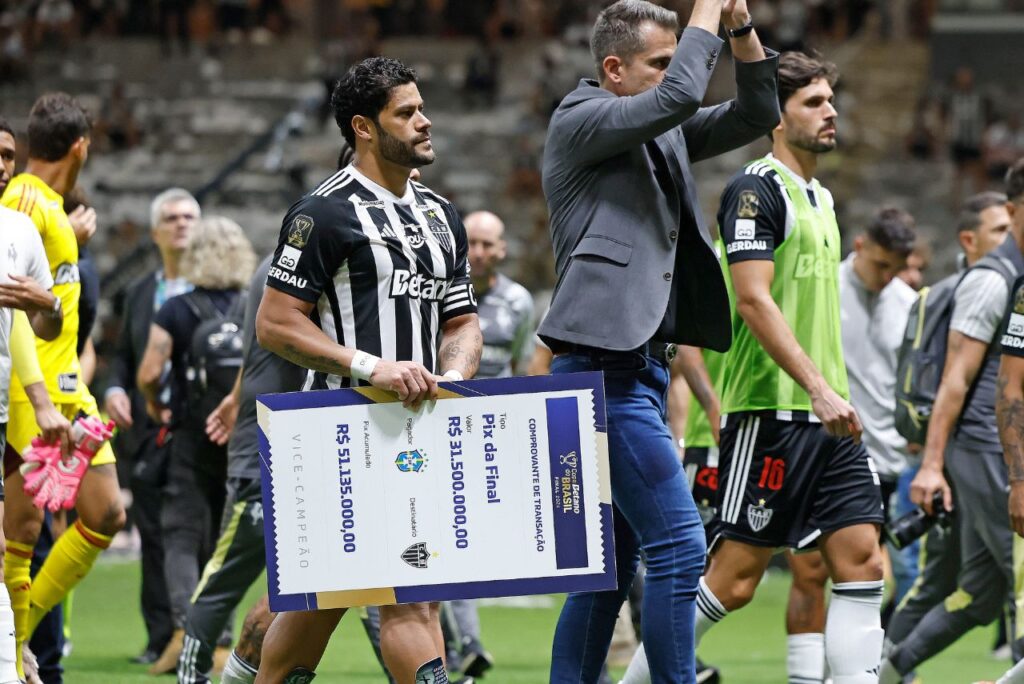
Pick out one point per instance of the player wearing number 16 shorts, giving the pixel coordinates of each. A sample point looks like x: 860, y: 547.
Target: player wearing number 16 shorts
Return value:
x: 792, y: 472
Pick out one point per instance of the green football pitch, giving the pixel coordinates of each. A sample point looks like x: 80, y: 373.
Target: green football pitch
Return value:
x: 749, y: 647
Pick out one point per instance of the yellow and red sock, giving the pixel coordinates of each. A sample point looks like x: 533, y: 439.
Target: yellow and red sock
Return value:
x: 69, y: 561
x: 18, y: 578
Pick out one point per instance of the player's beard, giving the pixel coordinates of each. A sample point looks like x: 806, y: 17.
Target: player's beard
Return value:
x: 402, y: 153
x: 812, y: 143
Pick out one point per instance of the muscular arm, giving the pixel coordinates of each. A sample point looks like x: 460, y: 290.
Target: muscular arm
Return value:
x: 754, y: 303
x: 158, y: 352
x: 283, y: 327
x: 461, y: 345
x: 602, y: 127
x: 752, y: 282
x: 1010, y: 419
x: 691, y: 364
x: 964, y: 358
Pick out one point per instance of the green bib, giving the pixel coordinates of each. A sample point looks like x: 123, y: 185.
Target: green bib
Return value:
x: 806, y: 290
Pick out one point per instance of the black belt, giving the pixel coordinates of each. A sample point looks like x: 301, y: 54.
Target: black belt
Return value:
x: 609, y: 359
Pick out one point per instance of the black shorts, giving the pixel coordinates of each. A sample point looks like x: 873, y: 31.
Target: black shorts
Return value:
x: 785, y: 483
x: 701, y: 467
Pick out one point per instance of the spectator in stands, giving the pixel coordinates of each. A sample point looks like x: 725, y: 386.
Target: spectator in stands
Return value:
x: 54, y: 23
x: 1003, y: 144
x: 116, y: 125
x: 925, y: 132
x: 172, y: 21
x: 201, y: 375
x: 966, y: 113
x: 791, y: 25
x: 482, y: 71
x: 233, y: 19
x: 13, y: 57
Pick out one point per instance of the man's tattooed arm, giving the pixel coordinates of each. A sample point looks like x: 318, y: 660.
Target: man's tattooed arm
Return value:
x: 1010, y: 419
x: 283, y: 327
x: 316, y: 362
x: 462, y: 344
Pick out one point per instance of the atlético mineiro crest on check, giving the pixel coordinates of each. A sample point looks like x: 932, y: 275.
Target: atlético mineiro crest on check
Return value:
x: 758, y: 516
x: 412, y: 461
x: 417, y: 555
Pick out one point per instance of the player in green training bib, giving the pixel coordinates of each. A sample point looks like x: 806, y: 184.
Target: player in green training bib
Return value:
x: 792, y: 472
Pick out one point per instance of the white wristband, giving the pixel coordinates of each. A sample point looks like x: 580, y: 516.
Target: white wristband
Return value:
x: 363, y: 365
x: 454, y: 375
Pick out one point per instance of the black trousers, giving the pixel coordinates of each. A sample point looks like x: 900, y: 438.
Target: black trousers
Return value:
x: 193, y: 502
x: 147, y: 482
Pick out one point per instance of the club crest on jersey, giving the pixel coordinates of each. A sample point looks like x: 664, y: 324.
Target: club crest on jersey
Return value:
x: 440, y: 229
x: 414, y: 235
x: 749, y: 204
x: 758, y: 516
x: 299, y: 231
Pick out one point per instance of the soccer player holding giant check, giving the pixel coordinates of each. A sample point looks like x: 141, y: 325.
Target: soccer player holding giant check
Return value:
x: 380, y: 263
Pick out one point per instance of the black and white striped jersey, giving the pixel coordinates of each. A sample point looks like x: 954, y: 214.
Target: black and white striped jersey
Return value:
x: 384, y: 272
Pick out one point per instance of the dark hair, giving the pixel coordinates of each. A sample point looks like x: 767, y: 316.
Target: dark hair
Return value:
x: 365, y: 91
x: 970, y: 215
x: 617, y: 29
x: 1015, y: 181
x: 892, y: 229
x: 798, y: 70
x: 345, y: 155
x: 55, y: 123
x: 6, y: 127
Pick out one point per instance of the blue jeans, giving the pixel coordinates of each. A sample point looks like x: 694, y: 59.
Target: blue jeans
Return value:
x: 653, y: 512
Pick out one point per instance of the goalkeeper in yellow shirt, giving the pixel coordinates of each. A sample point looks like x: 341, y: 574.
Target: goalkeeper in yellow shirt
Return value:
x: 58, y: 142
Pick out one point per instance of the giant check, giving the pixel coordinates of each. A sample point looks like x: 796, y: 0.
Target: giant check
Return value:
x: 499, y: 488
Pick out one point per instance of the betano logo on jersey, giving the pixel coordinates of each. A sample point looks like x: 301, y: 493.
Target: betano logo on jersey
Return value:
x: 418, y: 286
x: 811, y: 266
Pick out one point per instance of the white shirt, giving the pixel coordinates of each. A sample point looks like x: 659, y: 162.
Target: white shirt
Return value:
x: 873, y: 327
x: 21, y: 253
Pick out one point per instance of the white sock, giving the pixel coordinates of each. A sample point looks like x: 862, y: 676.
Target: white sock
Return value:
x: 237, y: 671
x: 638, y: 671
x: 1015, y: 675
x: 888, y: 674
x: 710, y: 611
x: 8, y: 645
x: 853, y: 632
x: 805, y: 658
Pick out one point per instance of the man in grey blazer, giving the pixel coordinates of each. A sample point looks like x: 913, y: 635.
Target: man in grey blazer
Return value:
x: 637, y: 272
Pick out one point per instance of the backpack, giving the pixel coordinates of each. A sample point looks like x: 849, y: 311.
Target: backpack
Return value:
x: 922, y: 355
x: 214, y: 354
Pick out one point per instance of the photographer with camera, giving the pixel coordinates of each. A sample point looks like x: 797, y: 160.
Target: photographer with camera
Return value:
x: 962, y: 439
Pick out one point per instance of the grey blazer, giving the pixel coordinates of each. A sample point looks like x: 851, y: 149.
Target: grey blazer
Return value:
x: 627, y: 249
